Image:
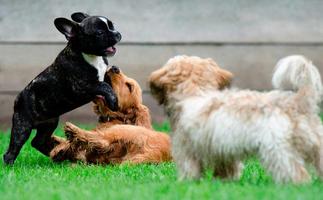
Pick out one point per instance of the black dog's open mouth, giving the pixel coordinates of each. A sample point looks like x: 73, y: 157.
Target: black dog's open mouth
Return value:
x: 111, y: 50
x: 99, y: 98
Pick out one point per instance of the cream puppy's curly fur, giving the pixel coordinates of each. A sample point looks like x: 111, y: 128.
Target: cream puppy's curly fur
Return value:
x: 214, y: 127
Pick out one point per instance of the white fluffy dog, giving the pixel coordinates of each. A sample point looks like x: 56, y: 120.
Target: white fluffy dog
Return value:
x: 214, y: 127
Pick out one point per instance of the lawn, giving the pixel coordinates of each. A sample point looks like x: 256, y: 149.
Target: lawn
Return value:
x: 34, y: 176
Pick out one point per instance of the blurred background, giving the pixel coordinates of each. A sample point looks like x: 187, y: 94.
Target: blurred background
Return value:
x: 246, y: 37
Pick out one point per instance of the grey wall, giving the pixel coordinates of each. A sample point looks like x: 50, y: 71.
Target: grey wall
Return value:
x: 172, y: 21
x: 246, y: 37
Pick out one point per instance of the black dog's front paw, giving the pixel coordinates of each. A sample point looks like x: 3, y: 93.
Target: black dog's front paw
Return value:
x: 110, y: 97
x: 112, y: 102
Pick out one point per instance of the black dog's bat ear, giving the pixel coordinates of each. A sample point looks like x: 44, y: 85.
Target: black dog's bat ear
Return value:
x: 79, y: 16
x: 65, y: 26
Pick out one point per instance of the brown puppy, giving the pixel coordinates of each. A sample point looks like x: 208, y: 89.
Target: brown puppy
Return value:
x: 110, y: 143
x: 113, y: 145
x: 130, y: 107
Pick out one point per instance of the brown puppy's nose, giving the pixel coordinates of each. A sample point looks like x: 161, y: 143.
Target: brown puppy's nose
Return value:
x: 115, y: 69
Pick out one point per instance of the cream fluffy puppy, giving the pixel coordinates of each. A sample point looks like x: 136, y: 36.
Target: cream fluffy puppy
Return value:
x: 214, y: 127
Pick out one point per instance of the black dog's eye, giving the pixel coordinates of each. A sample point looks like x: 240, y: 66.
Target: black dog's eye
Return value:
x: 129, y: 87
x: 100, y: 32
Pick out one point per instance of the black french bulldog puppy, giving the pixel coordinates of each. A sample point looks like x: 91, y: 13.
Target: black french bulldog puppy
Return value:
x: 74, y: 79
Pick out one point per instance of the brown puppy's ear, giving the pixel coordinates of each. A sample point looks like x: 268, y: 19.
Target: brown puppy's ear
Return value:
x: 61, y: 152
x: 142, y: 117
x: 130, y: 86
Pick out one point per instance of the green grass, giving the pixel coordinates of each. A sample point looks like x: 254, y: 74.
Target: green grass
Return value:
x: 34, y: 176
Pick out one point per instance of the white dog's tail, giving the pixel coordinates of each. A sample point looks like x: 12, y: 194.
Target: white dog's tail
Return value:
x: 298, y: 74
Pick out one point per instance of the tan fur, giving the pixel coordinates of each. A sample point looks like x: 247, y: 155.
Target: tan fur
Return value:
x: 214, y: 127
x: 131, y: 110
x: 125, y: 136
x: 188, y: 76
x: 113, y: 145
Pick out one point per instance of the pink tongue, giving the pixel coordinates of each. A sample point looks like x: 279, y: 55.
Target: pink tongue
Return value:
x: 111, y: 49
x: 100, y: 97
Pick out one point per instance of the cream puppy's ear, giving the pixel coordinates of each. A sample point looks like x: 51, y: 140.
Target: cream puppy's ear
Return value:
x: 157, y: 83
x: 157, y: 79
x: 223, y: 78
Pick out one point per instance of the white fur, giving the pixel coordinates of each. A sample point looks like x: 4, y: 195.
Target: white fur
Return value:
x: 224, y: 136
x: 98, y: 63
x: 272, y: 125
x: 296, y: 71
x: 104, y: 20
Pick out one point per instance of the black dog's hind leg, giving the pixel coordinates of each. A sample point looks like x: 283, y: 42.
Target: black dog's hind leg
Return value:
x: 20, y: 132
x: 43, y: 141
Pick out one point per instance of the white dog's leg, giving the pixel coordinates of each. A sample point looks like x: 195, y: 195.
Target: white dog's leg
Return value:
x: 284, y: 165
x: 188, y: 165
x: 189, y: 168
x: 228, y: 170
x: 319, y: 162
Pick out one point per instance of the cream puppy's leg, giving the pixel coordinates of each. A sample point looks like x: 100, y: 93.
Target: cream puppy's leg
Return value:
x: 319, y: 165
x: 318, y: 149
x: 284, y: 164
x: 228, y: 170
x: 318, y: 162
x: 189, y: 167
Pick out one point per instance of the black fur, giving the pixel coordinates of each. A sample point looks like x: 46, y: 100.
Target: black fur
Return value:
x: 66, y: 84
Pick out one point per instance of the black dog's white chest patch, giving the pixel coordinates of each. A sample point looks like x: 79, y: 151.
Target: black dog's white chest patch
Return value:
x: 98, y: 63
